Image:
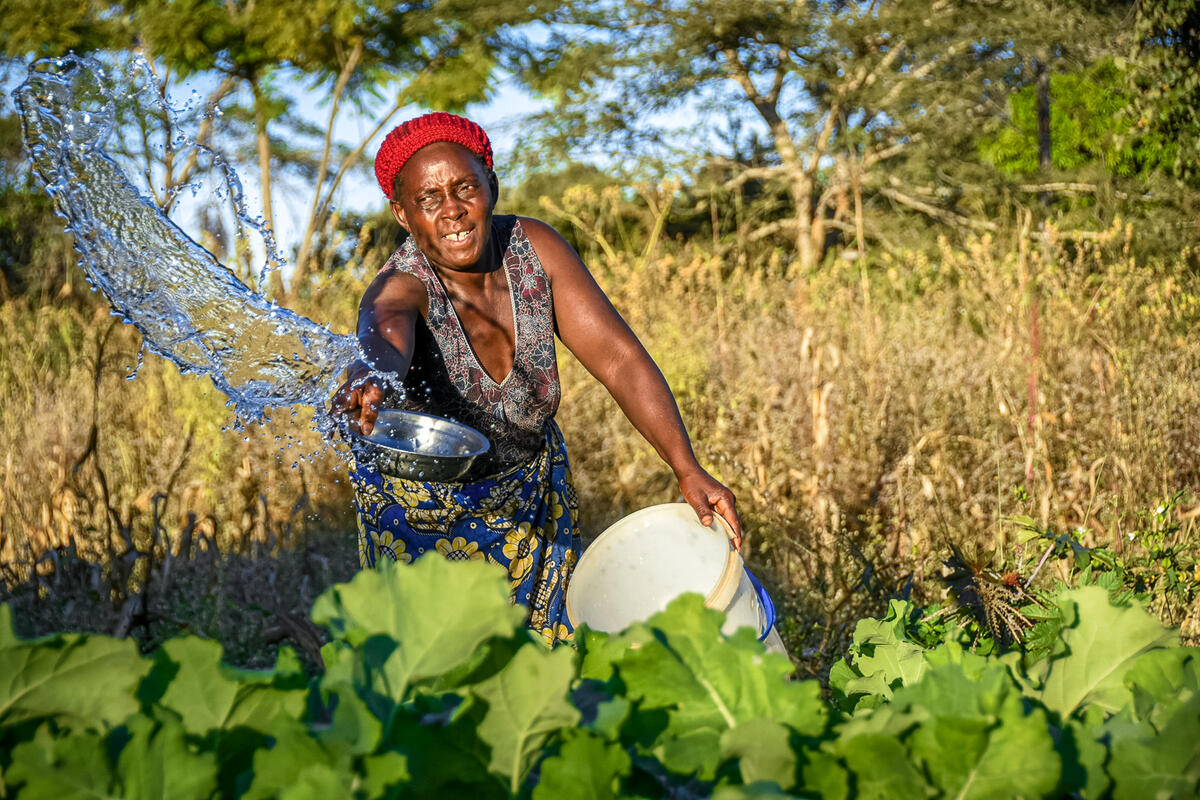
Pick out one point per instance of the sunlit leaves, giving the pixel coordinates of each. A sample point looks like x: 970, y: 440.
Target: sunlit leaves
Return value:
x: 527, y: 702
x: 433, y: 689
x: 400, y: 637
x: 89, y: 681
x: 1098, y: 645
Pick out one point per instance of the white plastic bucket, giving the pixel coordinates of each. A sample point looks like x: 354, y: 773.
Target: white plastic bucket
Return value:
x: 642, y: 562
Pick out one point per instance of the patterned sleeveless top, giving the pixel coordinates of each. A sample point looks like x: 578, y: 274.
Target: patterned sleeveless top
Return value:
x: 446, y: 378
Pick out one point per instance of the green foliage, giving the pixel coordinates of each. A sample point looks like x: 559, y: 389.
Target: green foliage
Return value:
x: 1089, y: 123
x: 476, y: 706
x: 1165, y: 81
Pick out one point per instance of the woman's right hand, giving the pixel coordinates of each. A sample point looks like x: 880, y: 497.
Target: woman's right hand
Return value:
x: 358, y: 400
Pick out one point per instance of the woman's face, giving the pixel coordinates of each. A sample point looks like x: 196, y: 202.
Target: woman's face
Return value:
x: 445, y: 202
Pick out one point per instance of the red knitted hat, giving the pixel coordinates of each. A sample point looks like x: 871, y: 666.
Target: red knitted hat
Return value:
x: 407, y: 138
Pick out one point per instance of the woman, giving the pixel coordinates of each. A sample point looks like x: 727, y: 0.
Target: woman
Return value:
x: 466, y: 312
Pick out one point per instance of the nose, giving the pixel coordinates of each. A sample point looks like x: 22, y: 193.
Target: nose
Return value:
x: 454, y: 207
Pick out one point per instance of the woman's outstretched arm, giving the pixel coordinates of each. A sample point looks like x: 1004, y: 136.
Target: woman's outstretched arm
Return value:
x: 387, y: 318
x: 594, y: 331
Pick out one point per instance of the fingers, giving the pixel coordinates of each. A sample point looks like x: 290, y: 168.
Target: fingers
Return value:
x: 716, y: 499
x: 726, y: 505
x: 369, y: 402
x: 359, y: 402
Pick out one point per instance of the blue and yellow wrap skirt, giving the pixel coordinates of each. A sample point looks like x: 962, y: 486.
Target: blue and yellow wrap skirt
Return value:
x: 524, y: 520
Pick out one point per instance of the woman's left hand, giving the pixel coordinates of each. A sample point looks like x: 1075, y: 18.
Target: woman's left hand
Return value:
x: 708, y: 496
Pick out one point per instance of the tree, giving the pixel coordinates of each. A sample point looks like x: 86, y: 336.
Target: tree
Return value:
x: 431, y: 53
x: 843, y: 89
x: 1166, y: 77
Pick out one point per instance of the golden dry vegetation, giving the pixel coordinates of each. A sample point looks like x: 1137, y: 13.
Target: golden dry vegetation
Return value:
x: 868, y: 415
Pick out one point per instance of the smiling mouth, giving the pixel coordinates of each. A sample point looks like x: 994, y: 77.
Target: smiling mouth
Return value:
x: 457, y: 236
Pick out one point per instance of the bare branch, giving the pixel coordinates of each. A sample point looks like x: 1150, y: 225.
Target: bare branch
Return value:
x: 822, y: 140
x: 1065, y: 186
x: 778, y: 226
x: 206, y: 123
x: 873, y: 157
x: 339, y: 90
x: 941, y: 214
x: 753, y: 173
x: 402, y: 100
x: 917, y: 73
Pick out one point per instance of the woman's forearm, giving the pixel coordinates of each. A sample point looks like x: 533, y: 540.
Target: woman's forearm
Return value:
x: 646, y: 400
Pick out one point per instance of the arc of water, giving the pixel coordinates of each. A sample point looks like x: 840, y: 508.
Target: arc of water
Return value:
x: 189, y: 307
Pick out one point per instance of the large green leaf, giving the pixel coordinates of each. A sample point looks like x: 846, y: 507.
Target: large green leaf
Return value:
x: 1083, y: 755
x: 48, y: 768
x: 882, y: 768
x: 758, y: 791
x: 1098, y: 644
x: 587, y: 768
x: 527, y: 702
x: 882, y: 657
x: 383, y: 771
x: 354, y: 729
x: 157, y: 764
x: 1165, y: 764
x: 709, y: 681
x: 417, y: 622
x: 764, y: 752
x: 297, y: 764
x: 822, y: 776
x: 1155, y: 743
x: 87, y: 680
x: 1161, y: 680
x: 692, y: 684
x: 972, y: 730
x: 445, y: 760
x: 204, y: 695
x: 599, y: 651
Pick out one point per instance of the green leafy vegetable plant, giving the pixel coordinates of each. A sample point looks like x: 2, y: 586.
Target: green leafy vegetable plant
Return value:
x: 434, y: 689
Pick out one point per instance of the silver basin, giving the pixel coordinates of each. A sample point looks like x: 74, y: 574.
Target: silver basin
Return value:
x: 409, y: 444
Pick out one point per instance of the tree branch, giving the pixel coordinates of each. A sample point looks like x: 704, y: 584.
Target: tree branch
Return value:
x: 941, y: 214
x: 314, y: 218
x: 206, y: 124
x: 1065, y: 186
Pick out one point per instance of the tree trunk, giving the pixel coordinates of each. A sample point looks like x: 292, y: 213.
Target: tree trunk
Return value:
x: 800, y: 188
x: 1043, y: 114
x: 801, y: 191
x: 263, y: 143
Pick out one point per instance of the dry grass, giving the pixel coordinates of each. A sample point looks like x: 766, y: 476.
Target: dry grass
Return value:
x: 866, y: 416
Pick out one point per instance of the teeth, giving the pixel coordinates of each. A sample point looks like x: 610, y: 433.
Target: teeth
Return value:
x: 457, y: 237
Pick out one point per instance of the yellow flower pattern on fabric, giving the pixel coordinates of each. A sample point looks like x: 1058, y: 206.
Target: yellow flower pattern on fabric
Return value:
x: 553, y: 634
x: 459, y: 549
x: 405, y: 492
x: 370, y: 495
x: 522, y: 521
x: 392, y: 546
x: 520, y: 546
x: 557, y: 508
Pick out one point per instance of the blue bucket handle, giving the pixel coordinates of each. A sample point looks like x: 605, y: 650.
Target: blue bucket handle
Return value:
x: 765, y: 600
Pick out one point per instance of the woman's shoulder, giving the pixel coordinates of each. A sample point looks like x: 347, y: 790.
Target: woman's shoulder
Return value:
x: 405, y: 259
x: 534, y: 227
x: 548, y: 243
x: 400, y: 279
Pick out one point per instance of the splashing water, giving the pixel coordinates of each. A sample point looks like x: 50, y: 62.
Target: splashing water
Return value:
x: 189, y: 307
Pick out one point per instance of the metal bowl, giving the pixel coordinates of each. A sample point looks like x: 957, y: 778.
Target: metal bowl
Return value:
x: 409, y: 444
